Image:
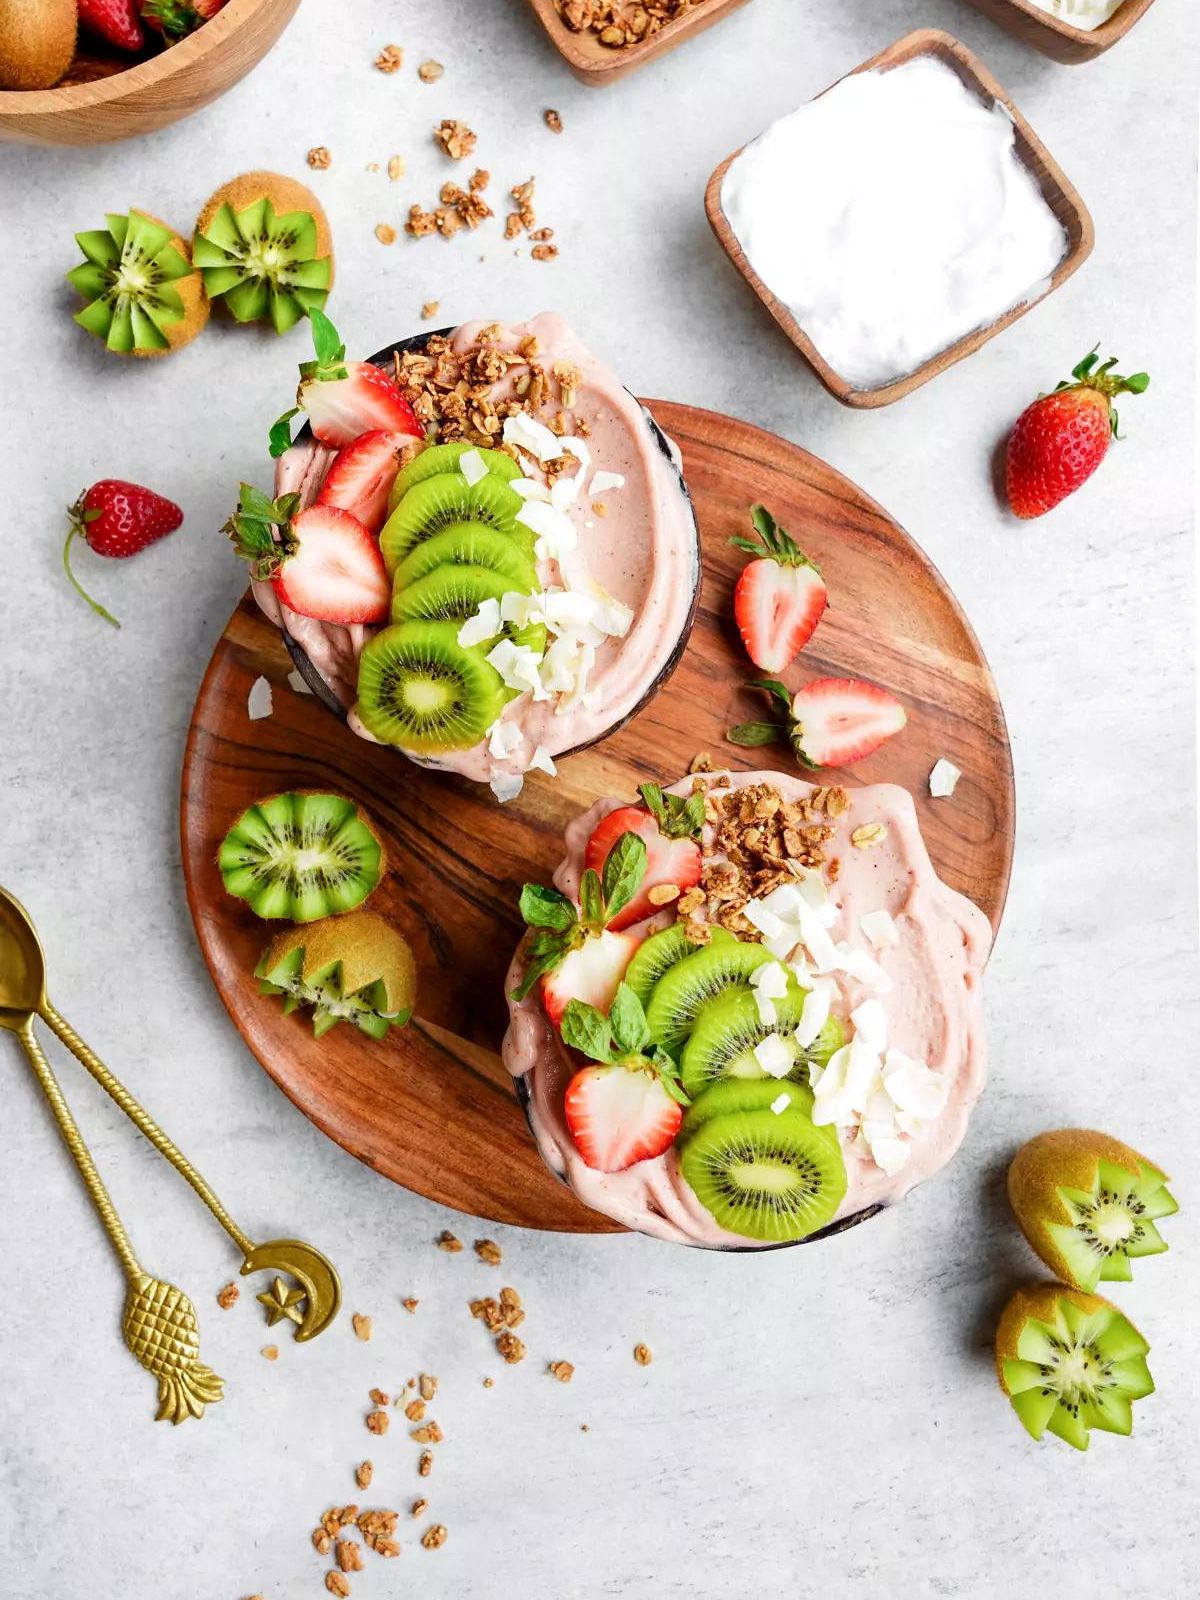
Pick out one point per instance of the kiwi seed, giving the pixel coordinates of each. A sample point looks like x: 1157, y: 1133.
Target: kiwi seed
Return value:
x: 264, y: 246
x: 687, y: 986
x: 302, y: 856
x: 144, y: 297
x: 419, y: 689
x: 446, y: 500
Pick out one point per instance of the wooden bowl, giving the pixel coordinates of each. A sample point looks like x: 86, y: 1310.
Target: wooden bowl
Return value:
x: 1059, y: 39
x: 103, y: 100
x: 1060, y: 195
x: 595, y: 64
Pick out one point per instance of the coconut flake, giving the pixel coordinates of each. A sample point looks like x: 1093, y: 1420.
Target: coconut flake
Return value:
x: 484, y: 625
x: 769, y: 983
x: 518, y: 666
x: 815, y: 1013
x: 780, y: 1103
x: 879, y: 929
x: 532, y: 436
x: 602, y: 482
x: 758, y: 916
x: 774, y: 1056
x: 473, y: 467
x: 943, y: 778
x: 542, y: 761
x: 260, y: 701
x: 504, y: 738
x: 554, y: 531
x: 298, y: 682
x: 870, y: 1025
x: 529, y: 489
x: 507, y: 786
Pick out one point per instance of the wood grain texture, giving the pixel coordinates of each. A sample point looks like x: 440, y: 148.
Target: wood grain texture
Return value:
x: 596, y: 64
x: 432, y: 1107
x: 1060, y: 195
x: 103, y: 99
x: 1073, y: 46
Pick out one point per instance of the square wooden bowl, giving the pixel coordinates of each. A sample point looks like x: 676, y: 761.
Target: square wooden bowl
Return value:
x: 595, y: 64
x: 1034, y: 26
x: 1060, y: 195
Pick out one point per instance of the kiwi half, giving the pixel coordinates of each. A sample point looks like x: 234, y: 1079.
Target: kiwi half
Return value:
x: 728, y: 1028
x: 446, y: 500
x: 1070, y: 1362
x: 686, y: 988
x: 438, y: 458
x: 355, y: 968
x: 37, y: 42
x: 766, y: 1175
x: 264, y: 247
x: 301, y: 856
x: 418, y: 688
x: 144, y: 297
x: 1088, y: 1204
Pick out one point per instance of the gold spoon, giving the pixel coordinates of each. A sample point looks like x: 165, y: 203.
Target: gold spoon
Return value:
x: 159, y: 1323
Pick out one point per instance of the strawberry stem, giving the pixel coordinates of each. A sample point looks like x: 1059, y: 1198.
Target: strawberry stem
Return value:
x: 77, y: 527
x: 1092, y: 373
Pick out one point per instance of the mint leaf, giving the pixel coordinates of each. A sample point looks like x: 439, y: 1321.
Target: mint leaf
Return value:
x: 587, y: 1030
x: 326, y: 341
x: 677, y: 818
x: 755, y: 733
x: 628, y: 1022
x: 624, y: 870
x: 545, y: 952
x: 546, y: 908
x: 281, y: 432
x: 591, y: 900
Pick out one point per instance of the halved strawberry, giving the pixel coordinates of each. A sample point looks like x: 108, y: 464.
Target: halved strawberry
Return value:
x: 322, y: 562
x: 837, y: 721
x: 670, y: 831
x: 364, y: 398
x: 591, y: 973
x: 618, y: 1116
x: 361, y: 475
x: 779, y: 598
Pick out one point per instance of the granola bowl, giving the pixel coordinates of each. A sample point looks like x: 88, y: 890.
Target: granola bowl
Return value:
x: 621, y: 590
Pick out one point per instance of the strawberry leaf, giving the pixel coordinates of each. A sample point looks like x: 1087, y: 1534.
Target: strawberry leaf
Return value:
x: 546, y: 908
x: 773, y: 687
x: 281, y: 433
x: 628, y: 1021
x: 587, y: 1030
x: 327, y: 341
x: 624, y: 869
x: 677, y: 817
x: 545, y: 952
x: 751, y: 734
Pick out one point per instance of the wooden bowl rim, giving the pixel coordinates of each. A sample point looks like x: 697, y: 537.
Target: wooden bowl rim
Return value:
x: 1098, y: 39
x: 600, y: 65
x: 921, y: 42
x: 140, y: 75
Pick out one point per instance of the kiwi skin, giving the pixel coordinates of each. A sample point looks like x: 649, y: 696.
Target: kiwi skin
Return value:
x: 190, y: 290
x: 37, y: 42
x: 1067, y: 1158
x: 369, y: 949
x: 285, y: 194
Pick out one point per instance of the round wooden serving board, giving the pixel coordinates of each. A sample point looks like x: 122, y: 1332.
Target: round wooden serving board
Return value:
x: 431, y: 1106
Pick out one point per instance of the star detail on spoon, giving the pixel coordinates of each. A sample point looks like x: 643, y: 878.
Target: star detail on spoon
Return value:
x: 281, y: 1302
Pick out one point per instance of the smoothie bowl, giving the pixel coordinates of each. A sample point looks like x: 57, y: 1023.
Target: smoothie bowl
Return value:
x: 748, y: 1013
x: 480, y: 550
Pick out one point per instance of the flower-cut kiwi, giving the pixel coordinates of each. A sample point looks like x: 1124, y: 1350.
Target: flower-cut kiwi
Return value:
x: 302, y: 856
x: 355, y: 968
x: 144, y: 296
x: 419, y: 689
x: 764, y: 1173
x: 1070, y: 1362
x: 264, y: 247
x: 1088, y: 1204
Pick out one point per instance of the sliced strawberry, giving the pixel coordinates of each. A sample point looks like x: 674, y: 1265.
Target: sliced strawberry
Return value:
x: 618, y: 1117
x: 361, y: 476
x: 590, y: 973
x: 669, y: 861
x: 837, y: 721
x: 366, y: 398
x: 780, y: 597
x: 335, y: 572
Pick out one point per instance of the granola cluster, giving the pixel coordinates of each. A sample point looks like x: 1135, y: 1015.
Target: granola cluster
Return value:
x: 621, y: 23
x: 758, y: 841
x: 455, y: 138
x: 459, y: 208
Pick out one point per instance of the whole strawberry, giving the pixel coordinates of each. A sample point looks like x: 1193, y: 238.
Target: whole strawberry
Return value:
x: 118, y: 519
x: 1060, y: 440
x: 115, y: 21
x: 175, y: 19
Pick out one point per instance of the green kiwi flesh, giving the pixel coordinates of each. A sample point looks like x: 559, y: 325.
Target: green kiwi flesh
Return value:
x: 659, y: 952
x: 447, y: 500
x: 764, y: 1175
x: 452, y: 593
x: 728, y: 1028
x: 263, y: 264
x: 301, y: 856
x: 1070, y: 1362
x: 474, y: 545
x: 437, y: 458
x: 128, y: 281
x: 419, y: 689
x: 745, y: 1094
x: 355, y: 969
x: 685, y: 988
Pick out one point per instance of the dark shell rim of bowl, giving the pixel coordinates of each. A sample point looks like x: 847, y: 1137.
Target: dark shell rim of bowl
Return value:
x: 322, y: 691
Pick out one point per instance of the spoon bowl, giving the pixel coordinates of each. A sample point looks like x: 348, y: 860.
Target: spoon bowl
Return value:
x: 22, y: 965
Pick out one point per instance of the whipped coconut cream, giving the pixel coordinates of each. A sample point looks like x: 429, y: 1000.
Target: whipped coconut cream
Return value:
x: 893, y: 216
x: 1084, y: 14
x: 895, y: 954
x: 616, y: 592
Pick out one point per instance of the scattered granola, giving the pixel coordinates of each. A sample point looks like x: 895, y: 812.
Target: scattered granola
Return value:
x: 663, y: 894
x: 429, y: 309
x: 361, y: 1326
x: 415, y: 1410
x: 337, y: 1518
x: 869, y: 835
x: 380, y: 1398
x: 419, y: 1508
x: 618, y: 24
x: 430, y: 71
x: 434, y: 1538
x: 489, y: 1383
x: 319, y: 158
x: 348, y: 1553
x: 701, y: 762
x: 271, y: 1352
x: 447, y: 1241
x: 378, y: 1422
x: 410, y: 1305
x: 427, y: 1386
x: 511, y: 1348
x: 363, y: 1474
x: 390, y: 58
x: 385, y: 233
x: 395, y: 168
x: 488, y: 1250
x: 562, y: 1370
x: 228, y: 1296
x: 425, y: 1463
x: 553, y: 120
x: 429, y: 1434
x: 642, y: 1355
x: 547, y: 252
x: 455, y: 138
x: 337, y: 1583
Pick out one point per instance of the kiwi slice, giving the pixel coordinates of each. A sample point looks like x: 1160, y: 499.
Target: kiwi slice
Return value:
x: 1070, y: 1362
x: 1088, y: 1204
x: 661, y: 951
x: 264, y: 246
x: 355, y: 968
x: 473, y: 545
x: 454, y: 592
x: 745, y: 1094
x: 437, y: 458
x: 419, y: 689
x: 447, y: 500
x: 685, y: 988
x: 728, y: 1028
x: 765, y: 1175
x: 144, y: 297
x: 301, y: 856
